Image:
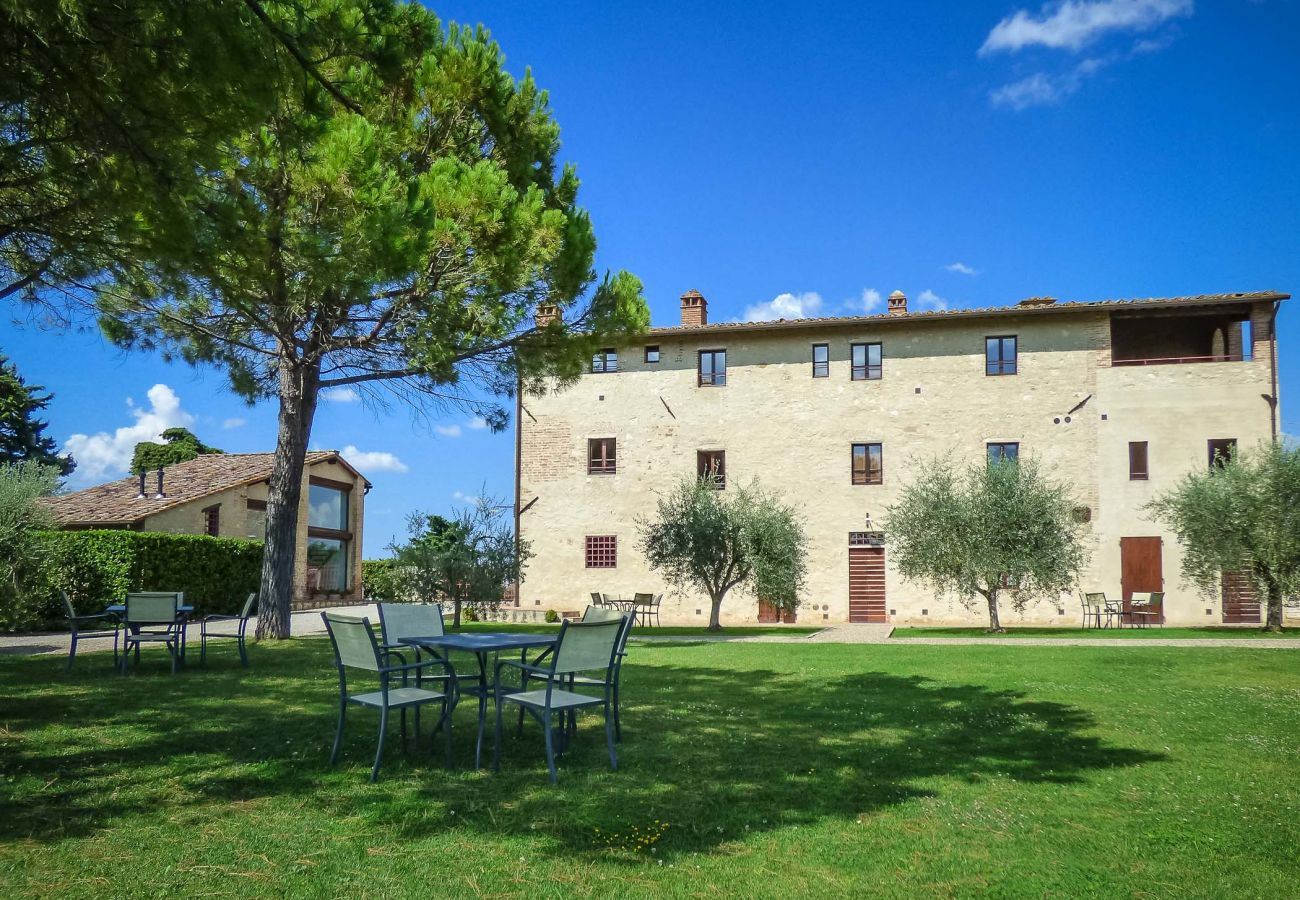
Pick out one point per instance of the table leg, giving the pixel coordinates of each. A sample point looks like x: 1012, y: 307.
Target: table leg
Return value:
x: 482, y: 706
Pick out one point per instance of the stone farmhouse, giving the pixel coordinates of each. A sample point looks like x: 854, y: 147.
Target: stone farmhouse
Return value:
x: 1119, y: 397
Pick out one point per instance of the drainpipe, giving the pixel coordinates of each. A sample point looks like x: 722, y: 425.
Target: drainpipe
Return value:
x: 519, y: 443
x: 1272, y: 363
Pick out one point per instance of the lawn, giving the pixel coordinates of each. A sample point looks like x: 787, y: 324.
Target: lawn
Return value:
x: 1237, y: 633
x: 650, y: 631
x: 747, y: 769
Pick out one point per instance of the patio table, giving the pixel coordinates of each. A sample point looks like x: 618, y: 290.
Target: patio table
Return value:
x: 183, y: 611
x: 481, y: 644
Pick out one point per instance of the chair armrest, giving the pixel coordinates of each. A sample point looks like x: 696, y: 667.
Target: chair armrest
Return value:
x: 411, y: 667
x: 221, y: 617
x: 523, y: 667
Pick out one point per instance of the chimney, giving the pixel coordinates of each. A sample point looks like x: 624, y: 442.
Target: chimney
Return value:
x: 160, y: 495
x: 695, y: 309
x: 546, y: 314
x: 140, y: 496
x: 1037, y: 301
x: 897, y: 304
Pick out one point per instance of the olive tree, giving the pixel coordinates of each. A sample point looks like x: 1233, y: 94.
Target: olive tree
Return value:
x: 987, y: 530
x: 1241, y: 515
x: 22, y: 485
x: 713, y: 540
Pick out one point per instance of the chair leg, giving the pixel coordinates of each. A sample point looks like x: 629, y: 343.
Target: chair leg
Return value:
x: 618, y: 725
x: 174, y: 648
x: 550, y: 745
x: 72, y: 652
x: 496, y: 737
x: 379, y: 751
x: 338, y: 734
x: 203, y: 644
x: 609, y: 737
x: 402, y: 716
x: 243, y: 650
x: 446, y: 724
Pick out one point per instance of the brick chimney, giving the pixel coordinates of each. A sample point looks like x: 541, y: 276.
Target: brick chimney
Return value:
x: 695, y: 309
x: 545, y: 315
x: 898, y: 304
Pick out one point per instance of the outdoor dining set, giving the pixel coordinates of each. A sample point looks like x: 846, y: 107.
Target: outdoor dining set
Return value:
x: 644, y: 608
x: 154, y: 618
x: 1141, y: 610
x: 574, y: 668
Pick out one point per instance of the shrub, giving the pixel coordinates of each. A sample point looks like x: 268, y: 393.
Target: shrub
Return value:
x: 96, y: 568
x: 381, y: 581
x: 552, y: 616
x: 22, y: 484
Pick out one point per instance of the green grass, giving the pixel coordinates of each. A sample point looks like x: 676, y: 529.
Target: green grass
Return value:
x: 773, y: 770
x: 661, y: 631
x: 1239, y: 632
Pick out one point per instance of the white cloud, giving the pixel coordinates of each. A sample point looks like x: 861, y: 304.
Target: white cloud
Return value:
x: 449, y: 431
x: 784, y: 306
x: 1041, y: 89
x: 961, y: 268
x: 478, y: 423
x: 1074, y: 24
x: 228, y: 424
x: 461, y: 497
x: 868, y: 302
x: 373, y: 460
x: 105, y: 455
x: 340, y: 395
x: 930, y: 300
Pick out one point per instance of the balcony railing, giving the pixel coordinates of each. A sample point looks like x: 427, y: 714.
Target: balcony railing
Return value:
x: 1176, y: 360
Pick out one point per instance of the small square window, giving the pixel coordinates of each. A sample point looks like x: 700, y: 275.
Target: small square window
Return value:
x: 713, y: 368
x: 1000, y: 355
x: 1222, y: 450
x: 1137, y: 461
x: 712, y: 464
x: 652, y: 354
x: 601, y: 551
x: 601, y: 456
x: 605, y: 361
x: 821, y: 360
x: 212, y: 521
x: 866, y: 360
x: 868, y: 464
x: 1004, y: 451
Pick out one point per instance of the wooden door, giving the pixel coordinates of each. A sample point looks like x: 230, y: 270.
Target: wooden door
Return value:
x: 767, y: 611
x: 1240, y: 599
x: 867, y: 584
x: 1140, y: 569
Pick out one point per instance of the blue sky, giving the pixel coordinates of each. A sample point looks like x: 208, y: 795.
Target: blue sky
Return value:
x: 806, y: 159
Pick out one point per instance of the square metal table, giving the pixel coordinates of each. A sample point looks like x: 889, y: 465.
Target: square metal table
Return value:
x: 481, y: 644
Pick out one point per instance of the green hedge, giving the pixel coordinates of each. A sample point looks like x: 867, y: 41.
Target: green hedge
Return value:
x: 98, y: 567
x: 379, y: 581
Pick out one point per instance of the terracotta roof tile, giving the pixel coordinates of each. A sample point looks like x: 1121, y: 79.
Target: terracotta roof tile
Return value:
x: 979, y: 312
x: 118, y: 503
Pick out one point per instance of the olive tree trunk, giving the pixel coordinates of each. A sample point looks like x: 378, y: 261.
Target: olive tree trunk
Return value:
x: 299, y: 384
x: 715, y: 611
x: 995, y: 624
x: 1273, y: 622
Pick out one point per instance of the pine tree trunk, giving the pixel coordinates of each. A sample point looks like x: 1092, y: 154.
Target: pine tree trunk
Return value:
x: 995, y: 624
x: 299, y: 384
x: 455, y: 614
x: 715, y: 623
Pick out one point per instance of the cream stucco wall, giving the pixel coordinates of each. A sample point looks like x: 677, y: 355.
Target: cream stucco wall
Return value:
x: 238, y: 520
x: 793, y: 432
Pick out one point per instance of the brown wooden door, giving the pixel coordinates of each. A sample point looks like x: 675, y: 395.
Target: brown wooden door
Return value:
x: 1240, y: 599
x: 867, y: 584
x: 1140, y: 569
x: 767, y: 611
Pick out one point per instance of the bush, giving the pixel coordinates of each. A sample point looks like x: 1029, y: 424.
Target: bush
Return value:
x: 96, y: 568
x: 552, y: 616
x: 381, y: 581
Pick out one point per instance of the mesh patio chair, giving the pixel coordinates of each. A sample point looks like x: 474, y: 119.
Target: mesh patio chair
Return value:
x: 407, y: 620
x: 78, y: 622
x: 355, y: 647
x: 1113, y: 611
x: 581, y: 647
x: 1093, y: 606
x: 248, y: 611
x: 152, y: 617
x: 597, y: 598
x: 620, y: 651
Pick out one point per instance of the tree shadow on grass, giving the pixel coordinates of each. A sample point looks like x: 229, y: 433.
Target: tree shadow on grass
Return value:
x: 709, y: 753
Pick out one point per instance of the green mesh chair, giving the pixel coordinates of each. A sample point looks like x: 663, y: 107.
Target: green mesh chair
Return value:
x: 581, y: 647
x: 355, y: 647
x: 77, y: 625
x: 245, y: 614
x: 151, y: 617
x: 592, y: 614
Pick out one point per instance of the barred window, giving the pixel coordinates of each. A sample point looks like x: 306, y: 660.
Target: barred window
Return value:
x: 602, y: 551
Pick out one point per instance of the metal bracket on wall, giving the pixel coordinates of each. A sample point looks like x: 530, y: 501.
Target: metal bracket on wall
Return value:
x: 529, y: 505
x: 530, y: 415
x: 666, y: 406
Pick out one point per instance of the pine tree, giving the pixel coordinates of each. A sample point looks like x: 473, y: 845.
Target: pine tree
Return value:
x: 21, y: 432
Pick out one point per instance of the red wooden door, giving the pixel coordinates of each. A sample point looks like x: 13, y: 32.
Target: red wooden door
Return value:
x: 1240, y: 599
x: 767, y: 611
x: 1140, y: 569
x: 867, y: 584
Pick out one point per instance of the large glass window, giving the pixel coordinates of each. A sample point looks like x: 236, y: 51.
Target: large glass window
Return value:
x: 329, y: 507
x: 605, y: 361
x: 821, y: 359
x: 868, y: 464
x: 329, y: 537
x: 866, y: 362
x: 1000, y: 355
x: 327, y: 565
x: 713, y: 367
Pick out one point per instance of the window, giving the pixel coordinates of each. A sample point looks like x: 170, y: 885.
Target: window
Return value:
x: 605, y: 361
x: 601, y: 458
x: 868, y: 464
x: 712, y: 464
x: 652, y: 354
x: 1222, y: 450
x: 1000, y: 355
x: 212, y: 521
x: 821, y: 360
x: 713, y: 367
x: 1137, y: 461
x: 866, y: 362
x: 329, y: 537
x: 1004, y: 451
x: 601, y: 551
